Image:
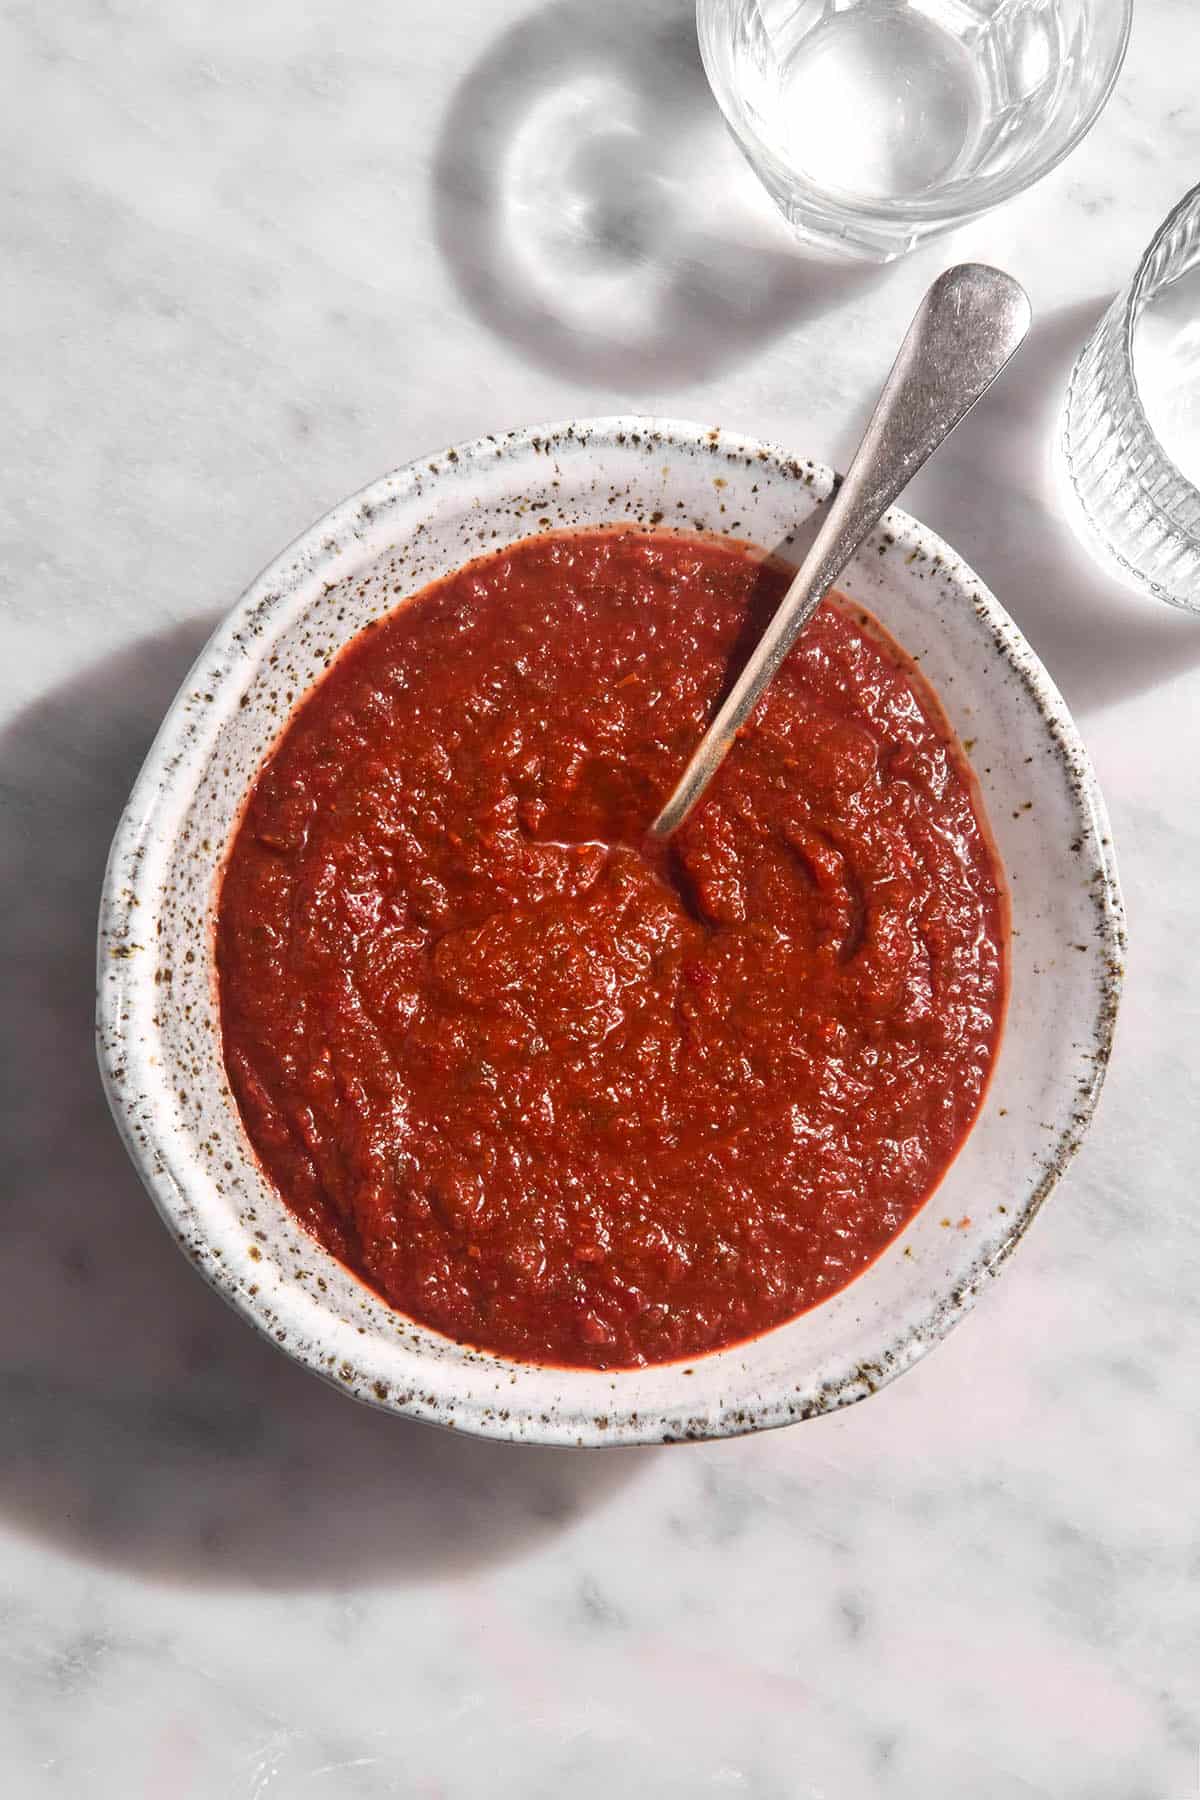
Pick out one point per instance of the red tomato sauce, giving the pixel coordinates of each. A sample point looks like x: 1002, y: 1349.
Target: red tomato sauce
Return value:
x: 549, y: 1096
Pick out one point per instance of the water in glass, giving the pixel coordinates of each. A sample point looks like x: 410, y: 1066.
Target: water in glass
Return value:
x: 875, y: 122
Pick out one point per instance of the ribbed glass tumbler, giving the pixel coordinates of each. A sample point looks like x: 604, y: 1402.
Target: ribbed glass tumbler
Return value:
x: 1136, y: 384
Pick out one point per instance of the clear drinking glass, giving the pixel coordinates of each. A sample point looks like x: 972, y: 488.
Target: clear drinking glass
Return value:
x: 875, y: 123
x: 1130, y: 440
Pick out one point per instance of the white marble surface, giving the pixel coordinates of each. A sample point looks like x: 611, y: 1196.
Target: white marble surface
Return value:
x: 255, y: 254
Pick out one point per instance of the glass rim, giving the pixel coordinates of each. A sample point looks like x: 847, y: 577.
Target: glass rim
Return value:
x: 947, y: 208
x: 1131, y: 301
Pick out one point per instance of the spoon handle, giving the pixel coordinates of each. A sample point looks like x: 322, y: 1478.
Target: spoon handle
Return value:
x: 966, y: 328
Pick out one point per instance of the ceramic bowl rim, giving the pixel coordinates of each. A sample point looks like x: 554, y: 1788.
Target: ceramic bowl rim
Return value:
x: 292, y: 574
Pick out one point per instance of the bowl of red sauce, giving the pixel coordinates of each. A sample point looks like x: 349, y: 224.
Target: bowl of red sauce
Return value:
x: 495, y: 1117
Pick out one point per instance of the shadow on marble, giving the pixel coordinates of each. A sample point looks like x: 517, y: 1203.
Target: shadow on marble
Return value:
x: 1102, y: 642
x: 147, y: 1426
x: 595, y: 213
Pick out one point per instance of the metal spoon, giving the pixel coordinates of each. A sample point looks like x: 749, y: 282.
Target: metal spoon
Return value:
x: 967, y: 327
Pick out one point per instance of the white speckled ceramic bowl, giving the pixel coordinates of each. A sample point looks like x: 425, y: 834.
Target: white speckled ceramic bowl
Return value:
x: 158, y: 1031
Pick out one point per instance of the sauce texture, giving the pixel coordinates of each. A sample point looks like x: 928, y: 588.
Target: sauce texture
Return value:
x: 550, y: 1096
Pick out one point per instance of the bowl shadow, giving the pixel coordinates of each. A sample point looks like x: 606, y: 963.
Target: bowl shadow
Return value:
x: 596, y: 215
x: 147, y: 1426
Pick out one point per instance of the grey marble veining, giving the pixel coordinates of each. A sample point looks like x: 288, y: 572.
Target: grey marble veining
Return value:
x: 255, y: 255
